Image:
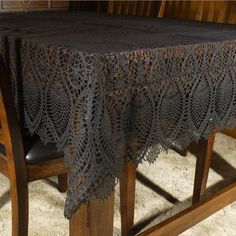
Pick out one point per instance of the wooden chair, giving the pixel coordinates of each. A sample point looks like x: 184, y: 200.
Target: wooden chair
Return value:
x: 210, y: 11
x: 134, y: 8
x: 23, y: 159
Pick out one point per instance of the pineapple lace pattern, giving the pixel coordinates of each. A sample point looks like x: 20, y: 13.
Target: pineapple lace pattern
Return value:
x: 101, y: 107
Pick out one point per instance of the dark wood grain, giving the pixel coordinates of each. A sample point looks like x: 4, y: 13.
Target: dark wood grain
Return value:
x: 94, y: 219
x: 211, y: 11
x: 62, y: 182
x: 127, y: 198
x: 204, y: 157
x: 134, y: 8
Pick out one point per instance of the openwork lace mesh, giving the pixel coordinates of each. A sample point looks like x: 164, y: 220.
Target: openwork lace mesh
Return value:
x: 99, y: 108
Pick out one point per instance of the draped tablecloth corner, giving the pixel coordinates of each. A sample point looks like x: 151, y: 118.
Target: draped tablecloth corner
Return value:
x: 101, y: 106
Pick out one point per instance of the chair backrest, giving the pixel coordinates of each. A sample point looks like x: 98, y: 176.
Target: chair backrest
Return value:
x: 134, y: 8
x: 10, y: 131
x: 210, y: 11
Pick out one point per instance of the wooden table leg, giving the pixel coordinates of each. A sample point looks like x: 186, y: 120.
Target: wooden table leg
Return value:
x: 127, y: 198
x: 204, y: 157
x: 94, y: 219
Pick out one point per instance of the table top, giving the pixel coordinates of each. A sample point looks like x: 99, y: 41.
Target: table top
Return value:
x: 94, y: 32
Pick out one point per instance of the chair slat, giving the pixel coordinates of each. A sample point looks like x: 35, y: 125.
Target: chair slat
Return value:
x: 2, y: 140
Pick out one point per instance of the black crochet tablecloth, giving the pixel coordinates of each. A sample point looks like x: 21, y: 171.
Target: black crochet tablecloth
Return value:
x: 106, y: 87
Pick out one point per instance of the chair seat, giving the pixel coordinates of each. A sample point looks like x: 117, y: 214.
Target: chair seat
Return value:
x: 36, y: 151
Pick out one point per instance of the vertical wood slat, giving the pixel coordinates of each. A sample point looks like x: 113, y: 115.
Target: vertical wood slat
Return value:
x: 149, y: 5
x: 211, y: 11
x: 138, y: 8
x: 119, y: 7
x: 110, y: 7
x: 126, y: 7
x: 161, y: 11
x: 200, y: 11
x: 49, y: 4
x: 222, y: 12
x: 232, y: 14
x: 102, y: 6
x: 59, y: 4
x: 135, y: 7
x: 191, y: 10
x: 142, y: 4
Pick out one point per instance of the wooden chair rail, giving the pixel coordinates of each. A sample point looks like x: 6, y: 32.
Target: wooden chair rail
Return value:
x: 2, y: 140
x: 3, y: 165
x: 197, y: 212
x: 46, y: 169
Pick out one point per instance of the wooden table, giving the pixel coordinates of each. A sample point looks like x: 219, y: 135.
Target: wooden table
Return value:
x: 110, y: 36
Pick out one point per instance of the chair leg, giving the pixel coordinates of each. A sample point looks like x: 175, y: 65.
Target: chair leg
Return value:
x: 62, y: 182
x: 127, y: 198
x: 20, y: 207
x: 204, y: 157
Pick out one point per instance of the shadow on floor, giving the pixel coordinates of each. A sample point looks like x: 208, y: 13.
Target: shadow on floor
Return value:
x: 181, y: 205
x: 51, y: 183
x: 219, y: 165
x: 153, y: 186
x: 4, y: 198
